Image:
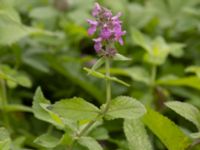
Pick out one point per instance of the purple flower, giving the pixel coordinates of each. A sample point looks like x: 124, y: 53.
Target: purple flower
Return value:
x: 108, y: 28
x: 93, y: 26
x: 98, y: 44
x: 108, y: 14
x: 106, y: 32
x: 116, y: 17
x: 96, y: 10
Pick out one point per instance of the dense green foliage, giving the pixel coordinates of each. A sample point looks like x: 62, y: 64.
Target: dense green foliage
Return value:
x: 52, y: 82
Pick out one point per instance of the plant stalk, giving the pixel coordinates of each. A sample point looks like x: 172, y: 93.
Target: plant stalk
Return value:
x: 153, y: 75
x: 107, y: 104
x: 3, y: 101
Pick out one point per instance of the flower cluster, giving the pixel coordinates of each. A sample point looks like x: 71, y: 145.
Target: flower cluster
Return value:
x: 109, y: 30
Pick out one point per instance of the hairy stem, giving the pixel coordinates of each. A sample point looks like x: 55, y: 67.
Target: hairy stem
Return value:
x: 108, y: 86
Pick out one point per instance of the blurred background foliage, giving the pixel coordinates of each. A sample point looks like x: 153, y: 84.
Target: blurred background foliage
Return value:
x: 45, y: 43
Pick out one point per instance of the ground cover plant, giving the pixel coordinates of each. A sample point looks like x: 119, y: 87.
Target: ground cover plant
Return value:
x: 99, y: 75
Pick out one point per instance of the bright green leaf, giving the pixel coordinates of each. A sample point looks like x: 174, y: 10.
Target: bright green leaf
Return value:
x: 5, y: 141
x: 102, y: 76
x: 191, y: 81
x: 16, y: 107
x: 47, y: 140
x: 125, y: 107
x: 42, y: 113
x: 136, y: 135
x: 120, y: 57
x: 194, y: 69
x: 166, y: 130
x: 90, y: 143
x: 195, y: 135
x: 186, y: 110
x: 75, y: 109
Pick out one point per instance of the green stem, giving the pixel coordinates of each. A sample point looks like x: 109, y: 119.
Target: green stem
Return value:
x: 3, y: 93
x: 108, y: 86
x: 107, y: 104
x: 153, y: 75
x: 3, y: 98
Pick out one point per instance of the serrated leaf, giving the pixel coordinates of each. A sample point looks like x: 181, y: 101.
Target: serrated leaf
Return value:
x: 90, y: 143
x: 186, y: 110
x: 42, y: 113
x: 102, y: 76
x: 125, y: 107
x: 5, y: 141
x: 99, y: 133
x: 191, y: 81
x: 47, y: 140
x: 166, y: 130
x: 75, y: 109
x: 121, y: 57
x: 136, y: 135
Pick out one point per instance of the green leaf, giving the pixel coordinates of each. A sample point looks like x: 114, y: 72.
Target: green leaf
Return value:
x: 14, y: 77
x: 47, y: 140
x: 51, y: 141
x: 100, y: 133
x: 191, y: 81
x: 121, y: 57
x: 102, y: 76
x: 12, y: 30
x: 41, y: 112
x: 194, y: 69
x: 125, y: 107
x: 141, y: 40
x: 136, y: 135
x: 186, y: 110
x: 16, y: 107
x: 136, y: 73
x: 176, y: 49
x: 195, y: 135
x: 75, y: 109
x: 98, y: 64
x: 90, y: 143
x: 159, y: 52
x: 166, y: 130
x: 45, y: 12
x: 5, y: 141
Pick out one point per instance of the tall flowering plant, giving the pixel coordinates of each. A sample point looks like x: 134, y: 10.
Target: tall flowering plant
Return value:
x: 76, y: 116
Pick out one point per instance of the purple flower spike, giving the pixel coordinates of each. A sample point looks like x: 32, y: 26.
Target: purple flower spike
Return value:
x: 98, y: 44
x: 108, y: 28
x: 106, y: 32
x: 96, y: 10
x: 93, y: 26
x: 116, y: 18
